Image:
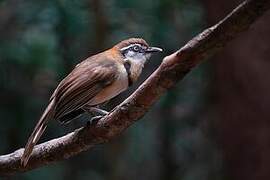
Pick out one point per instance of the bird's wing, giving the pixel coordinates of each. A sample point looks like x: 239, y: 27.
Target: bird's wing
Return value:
x: 79, y: 87
x: 82, y: 84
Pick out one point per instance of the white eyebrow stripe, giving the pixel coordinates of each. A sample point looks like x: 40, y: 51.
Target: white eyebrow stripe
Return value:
x: 124, y: 48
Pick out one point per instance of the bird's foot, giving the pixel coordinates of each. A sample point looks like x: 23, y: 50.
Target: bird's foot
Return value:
x: 98, y: 114
x: 99, y: 111
x: 94, y: 120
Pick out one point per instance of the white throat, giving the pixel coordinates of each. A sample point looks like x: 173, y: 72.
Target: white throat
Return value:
x: 136, y: 62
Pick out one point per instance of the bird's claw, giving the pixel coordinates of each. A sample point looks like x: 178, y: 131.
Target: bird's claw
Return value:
x: 94, y: 120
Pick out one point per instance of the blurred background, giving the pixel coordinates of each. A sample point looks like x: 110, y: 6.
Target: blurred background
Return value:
x: 214, y: 125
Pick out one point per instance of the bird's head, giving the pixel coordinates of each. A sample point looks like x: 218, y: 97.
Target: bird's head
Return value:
x: 136, y: 50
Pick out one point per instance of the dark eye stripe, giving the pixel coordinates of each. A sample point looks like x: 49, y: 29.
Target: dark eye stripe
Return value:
x: 135, y: 48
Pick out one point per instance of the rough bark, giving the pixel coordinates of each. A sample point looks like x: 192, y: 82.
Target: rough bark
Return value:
x: 173, y: 68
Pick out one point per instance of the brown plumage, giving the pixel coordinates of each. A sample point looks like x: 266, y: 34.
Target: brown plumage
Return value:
x: 92, y: 82
x: 131, y: 41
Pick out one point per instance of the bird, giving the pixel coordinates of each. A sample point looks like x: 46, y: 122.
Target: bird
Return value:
x: 91, y: 83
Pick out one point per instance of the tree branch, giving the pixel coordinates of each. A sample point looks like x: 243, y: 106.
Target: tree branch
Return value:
x: 173, y: 68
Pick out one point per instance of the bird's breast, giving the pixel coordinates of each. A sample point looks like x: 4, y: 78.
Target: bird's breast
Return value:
x: 118, y: 86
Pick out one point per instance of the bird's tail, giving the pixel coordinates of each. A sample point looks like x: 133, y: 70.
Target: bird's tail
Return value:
x: 38, y: 131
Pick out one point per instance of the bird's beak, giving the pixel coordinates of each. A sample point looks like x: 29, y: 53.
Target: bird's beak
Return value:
x: 153, y: 49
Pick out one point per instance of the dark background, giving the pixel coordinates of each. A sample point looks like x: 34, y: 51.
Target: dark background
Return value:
x: 214, y: 125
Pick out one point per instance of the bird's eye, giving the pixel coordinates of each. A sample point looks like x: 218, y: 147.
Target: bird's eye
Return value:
x: 136, y: 48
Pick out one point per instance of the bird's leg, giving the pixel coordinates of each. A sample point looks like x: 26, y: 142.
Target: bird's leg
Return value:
x: 98, y: 111
x: 101, y: 113
x: 95, y: 110
x: 94, y: 120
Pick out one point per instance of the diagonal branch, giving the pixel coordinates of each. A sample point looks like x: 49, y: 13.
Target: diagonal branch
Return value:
x: 173, y: 68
